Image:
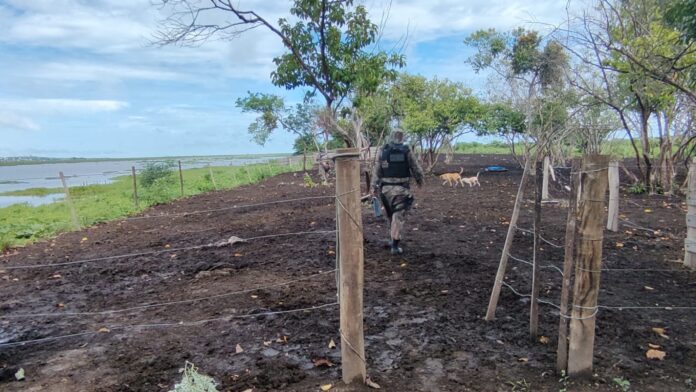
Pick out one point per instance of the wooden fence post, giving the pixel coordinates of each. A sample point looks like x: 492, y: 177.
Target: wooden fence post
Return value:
x: 568, y: 262
x: 135, y: 189
x: 545, y: 184
x: 212, y: 177
x: 68, y: 200
x: 246, y: 169
x: 181, y: 179
x: 541, y: 171
x: 502, y: 267
x: 593, y: 190
x: 690, y: 242
x: 350, y: 247
x: 613, y: 215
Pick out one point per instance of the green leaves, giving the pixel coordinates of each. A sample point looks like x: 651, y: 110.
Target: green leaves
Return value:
x: 328, y: 50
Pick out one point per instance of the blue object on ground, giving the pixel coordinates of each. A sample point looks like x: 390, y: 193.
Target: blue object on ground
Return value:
x: 377, y: 207
x: 496, y: 169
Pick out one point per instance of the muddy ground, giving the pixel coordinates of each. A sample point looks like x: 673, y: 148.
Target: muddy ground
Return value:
x: 424, y: 326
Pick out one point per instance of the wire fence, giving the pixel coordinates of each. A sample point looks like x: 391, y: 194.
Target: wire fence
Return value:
x: 232, y: 241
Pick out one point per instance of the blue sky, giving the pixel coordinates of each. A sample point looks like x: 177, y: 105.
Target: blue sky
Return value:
x: 78, y: 77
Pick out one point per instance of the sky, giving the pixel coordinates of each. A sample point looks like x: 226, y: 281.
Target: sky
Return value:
x: 82, y: 77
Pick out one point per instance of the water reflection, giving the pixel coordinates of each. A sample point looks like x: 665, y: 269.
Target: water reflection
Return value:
x: 30, y: 200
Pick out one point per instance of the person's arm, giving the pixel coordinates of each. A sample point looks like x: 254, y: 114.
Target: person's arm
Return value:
x: 376, y: 171
x: 416, y: 169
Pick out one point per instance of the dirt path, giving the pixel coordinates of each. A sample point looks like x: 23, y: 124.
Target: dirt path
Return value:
x: 423, y: 318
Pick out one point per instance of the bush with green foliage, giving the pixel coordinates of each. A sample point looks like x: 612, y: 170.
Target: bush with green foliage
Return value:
x: 156, y: 172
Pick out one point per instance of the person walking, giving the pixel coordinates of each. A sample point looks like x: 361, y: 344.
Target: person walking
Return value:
x: 394, y: 167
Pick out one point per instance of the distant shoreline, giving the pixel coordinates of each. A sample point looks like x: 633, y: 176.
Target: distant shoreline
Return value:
x: 20, y: 161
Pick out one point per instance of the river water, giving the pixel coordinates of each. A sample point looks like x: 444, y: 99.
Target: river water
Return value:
x: 13, y: 178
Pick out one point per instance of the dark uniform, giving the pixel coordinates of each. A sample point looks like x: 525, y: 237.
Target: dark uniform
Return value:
x: 391, y: 179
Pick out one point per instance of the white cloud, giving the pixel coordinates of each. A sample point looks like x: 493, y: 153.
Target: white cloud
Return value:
x: 427, y: 20
x: 62, y: 105
x: 97, y: 72
x: 15, y: 121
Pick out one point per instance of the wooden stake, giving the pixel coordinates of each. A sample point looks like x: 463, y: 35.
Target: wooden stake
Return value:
x: 350, y: 247
x: 568, y: 261
x: 594, y: 182
x: 68, y: 200
x: 502, y: 267
x: 613, y: 215
x: 534, y: 305
x: 246, y: 169
x: 212, y: 177
x: 135, y: 189
x: 181, y: 179
x: 545, y: 184
x: 690, y: 242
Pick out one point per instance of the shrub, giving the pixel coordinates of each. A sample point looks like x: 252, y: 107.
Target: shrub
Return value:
x: 637, y: 188
x: 155, y: 172
x: 192, y: 381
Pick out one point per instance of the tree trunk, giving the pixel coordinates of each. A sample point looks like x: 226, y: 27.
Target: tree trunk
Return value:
x: 645, y: 143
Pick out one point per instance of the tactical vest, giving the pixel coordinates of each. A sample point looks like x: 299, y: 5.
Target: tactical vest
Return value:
x: 394, y: 161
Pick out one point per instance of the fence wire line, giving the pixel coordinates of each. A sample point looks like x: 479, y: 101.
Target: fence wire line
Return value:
x: 226, y: 208
x: 161, y: 304
x: 540, y: 237
x: 155, y: 252
x: 542, y: 301
x: 164, y: 325
x: 343, y: 207
x: 631, y: 307
x: 550, y: 304
x: 548, y: 266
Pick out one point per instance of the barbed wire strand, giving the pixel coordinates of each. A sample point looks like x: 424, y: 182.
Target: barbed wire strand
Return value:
x: 226, y: 208
x: 164, y: 325
x: 548, y: 266
x: 162, y: 304
x: 152, y: 253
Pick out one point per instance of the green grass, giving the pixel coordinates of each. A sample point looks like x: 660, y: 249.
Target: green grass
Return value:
x: 21, y: 224
x: 614, y: 147
x: 482, y: 148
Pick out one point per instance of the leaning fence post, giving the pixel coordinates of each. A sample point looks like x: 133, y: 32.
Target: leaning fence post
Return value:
x: 568, y: 262
x: 593, y: 177
x: 68, y: 200
x: 502, y: 267
x: 181, y: 179
x: 350, y: 270
x: 613, y: 214
x: 212, y: 177
x: 690, y: 242
x: 135, y: 189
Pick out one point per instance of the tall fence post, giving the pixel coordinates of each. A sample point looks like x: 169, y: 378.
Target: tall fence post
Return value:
x: 690, y: 242
x: 246, y: 169
x: 181, y: 179
x: 541, y: 171
x: 212, y: 177
x: 613, y: 214
x: 502, y: 267
x: 545, y: 183
x: 593, y: 177
x: 68, y: 200
x: 350, y: 270
x: 135, y: 189
x: 568, y: 262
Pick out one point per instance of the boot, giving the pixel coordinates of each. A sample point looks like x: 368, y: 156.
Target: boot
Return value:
x: 395, y: 249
